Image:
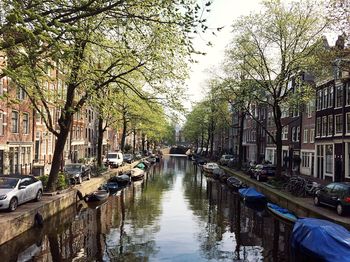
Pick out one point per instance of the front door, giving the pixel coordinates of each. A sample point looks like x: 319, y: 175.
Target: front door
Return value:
x: 338, y: 170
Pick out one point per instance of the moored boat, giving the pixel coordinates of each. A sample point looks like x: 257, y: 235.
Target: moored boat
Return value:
x: 315, y: 239
x: 98, y: 195
x: 137, y: 174
x: 121, y: 180
x: 234, y: 183
x: 141, y: 165
x: 251, y: 195
x: 209, y: 167
x: 282, y: 213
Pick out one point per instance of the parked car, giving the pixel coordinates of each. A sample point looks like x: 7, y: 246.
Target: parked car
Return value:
x: 262, y: 172
x: 18, y: 189
x: 224, y: 160
x: 77, y: 172
x: 128, y: 158
x: 334, y: 195
x: 114, y: 159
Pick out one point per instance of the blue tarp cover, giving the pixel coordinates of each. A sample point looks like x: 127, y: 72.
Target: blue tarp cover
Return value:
x: 282, y: 211
x: 250, y: 193
x: 321, y: 240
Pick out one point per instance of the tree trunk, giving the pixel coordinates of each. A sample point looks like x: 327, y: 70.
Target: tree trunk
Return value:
x: 240, y: 141
x: 202, y: 142
x: 100, y: 141
x: 122, y: 142
x: 212, y: 138
x: 277, y: 116
x: 134, y: 142
x: 143, y: 143
x: 57, y: 156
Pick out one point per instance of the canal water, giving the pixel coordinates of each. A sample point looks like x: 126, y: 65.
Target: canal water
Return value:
x: 174, y: 214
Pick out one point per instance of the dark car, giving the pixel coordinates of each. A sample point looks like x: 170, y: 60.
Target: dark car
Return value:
x: 128, y: 158
x: 77, y: 172
x: 224, y: 160
x: 262, y: 172
x: 334, y: 195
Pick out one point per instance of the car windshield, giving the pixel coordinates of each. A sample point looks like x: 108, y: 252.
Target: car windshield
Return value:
x: 8, y: 182
x: 112, y: 156
x: 228, y: 156
x: 127, y: 155
x: 71, y: 168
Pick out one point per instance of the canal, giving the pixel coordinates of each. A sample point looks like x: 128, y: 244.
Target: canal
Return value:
x: 174, y: 214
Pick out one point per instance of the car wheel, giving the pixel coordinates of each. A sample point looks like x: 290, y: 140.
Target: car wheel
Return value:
x: 340, y: 209
x: 80, y: 180
x: 13, y: 204
x: 316, y: 201
x: 39, y: 195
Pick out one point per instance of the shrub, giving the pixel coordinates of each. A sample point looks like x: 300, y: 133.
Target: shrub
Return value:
x: 62, y: 181
x: 44, y: 179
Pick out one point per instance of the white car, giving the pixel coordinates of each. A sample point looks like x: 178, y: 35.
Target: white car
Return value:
x: 18, y: 189
x: 114, y: 159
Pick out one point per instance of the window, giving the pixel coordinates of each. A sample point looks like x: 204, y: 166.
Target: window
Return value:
x: 1, y: 86
x: 330, y: 125
x: 20, y: 94
x: 319, y: 99
x: 37, y: 117
x: 338, y: 124
x: 306, y: 159
x: 284, y: 111
x: 25, y: 123
x: 325, y: 98
x: 348, y: 123
x: 312, y: 135
x: 285, y: 133
x: 49, y: 144
x: 310, y: 108
x: 14, y: 121
x: 306, y: 134
x: 318, y: 126
x: 324, y: 126
x: 298, y: 133
x: 2, y: 123
x: 347, y: 88
x: 339, y: 96
x: 329, y: 159
x: 331, y: 97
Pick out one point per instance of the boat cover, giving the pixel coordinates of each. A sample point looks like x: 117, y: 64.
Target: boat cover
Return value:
x: 141, y: 165
x: 250, y: 193
x: 320, y: 240
x: 282, y: 211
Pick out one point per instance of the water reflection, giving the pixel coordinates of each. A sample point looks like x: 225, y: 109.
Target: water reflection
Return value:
x: 174, y: 214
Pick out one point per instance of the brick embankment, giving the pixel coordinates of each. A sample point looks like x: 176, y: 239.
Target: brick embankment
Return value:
x: 15, y: 223
x: 303, y: 207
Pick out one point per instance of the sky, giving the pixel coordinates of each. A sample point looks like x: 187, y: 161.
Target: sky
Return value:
x: 223, y: 13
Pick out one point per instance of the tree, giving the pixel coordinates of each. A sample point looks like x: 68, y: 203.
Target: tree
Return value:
x: 269, y: 49
x: 93, y: 44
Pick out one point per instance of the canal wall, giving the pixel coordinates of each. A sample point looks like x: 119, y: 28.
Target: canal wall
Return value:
x: 12, y: 224
x: 303, y: 207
